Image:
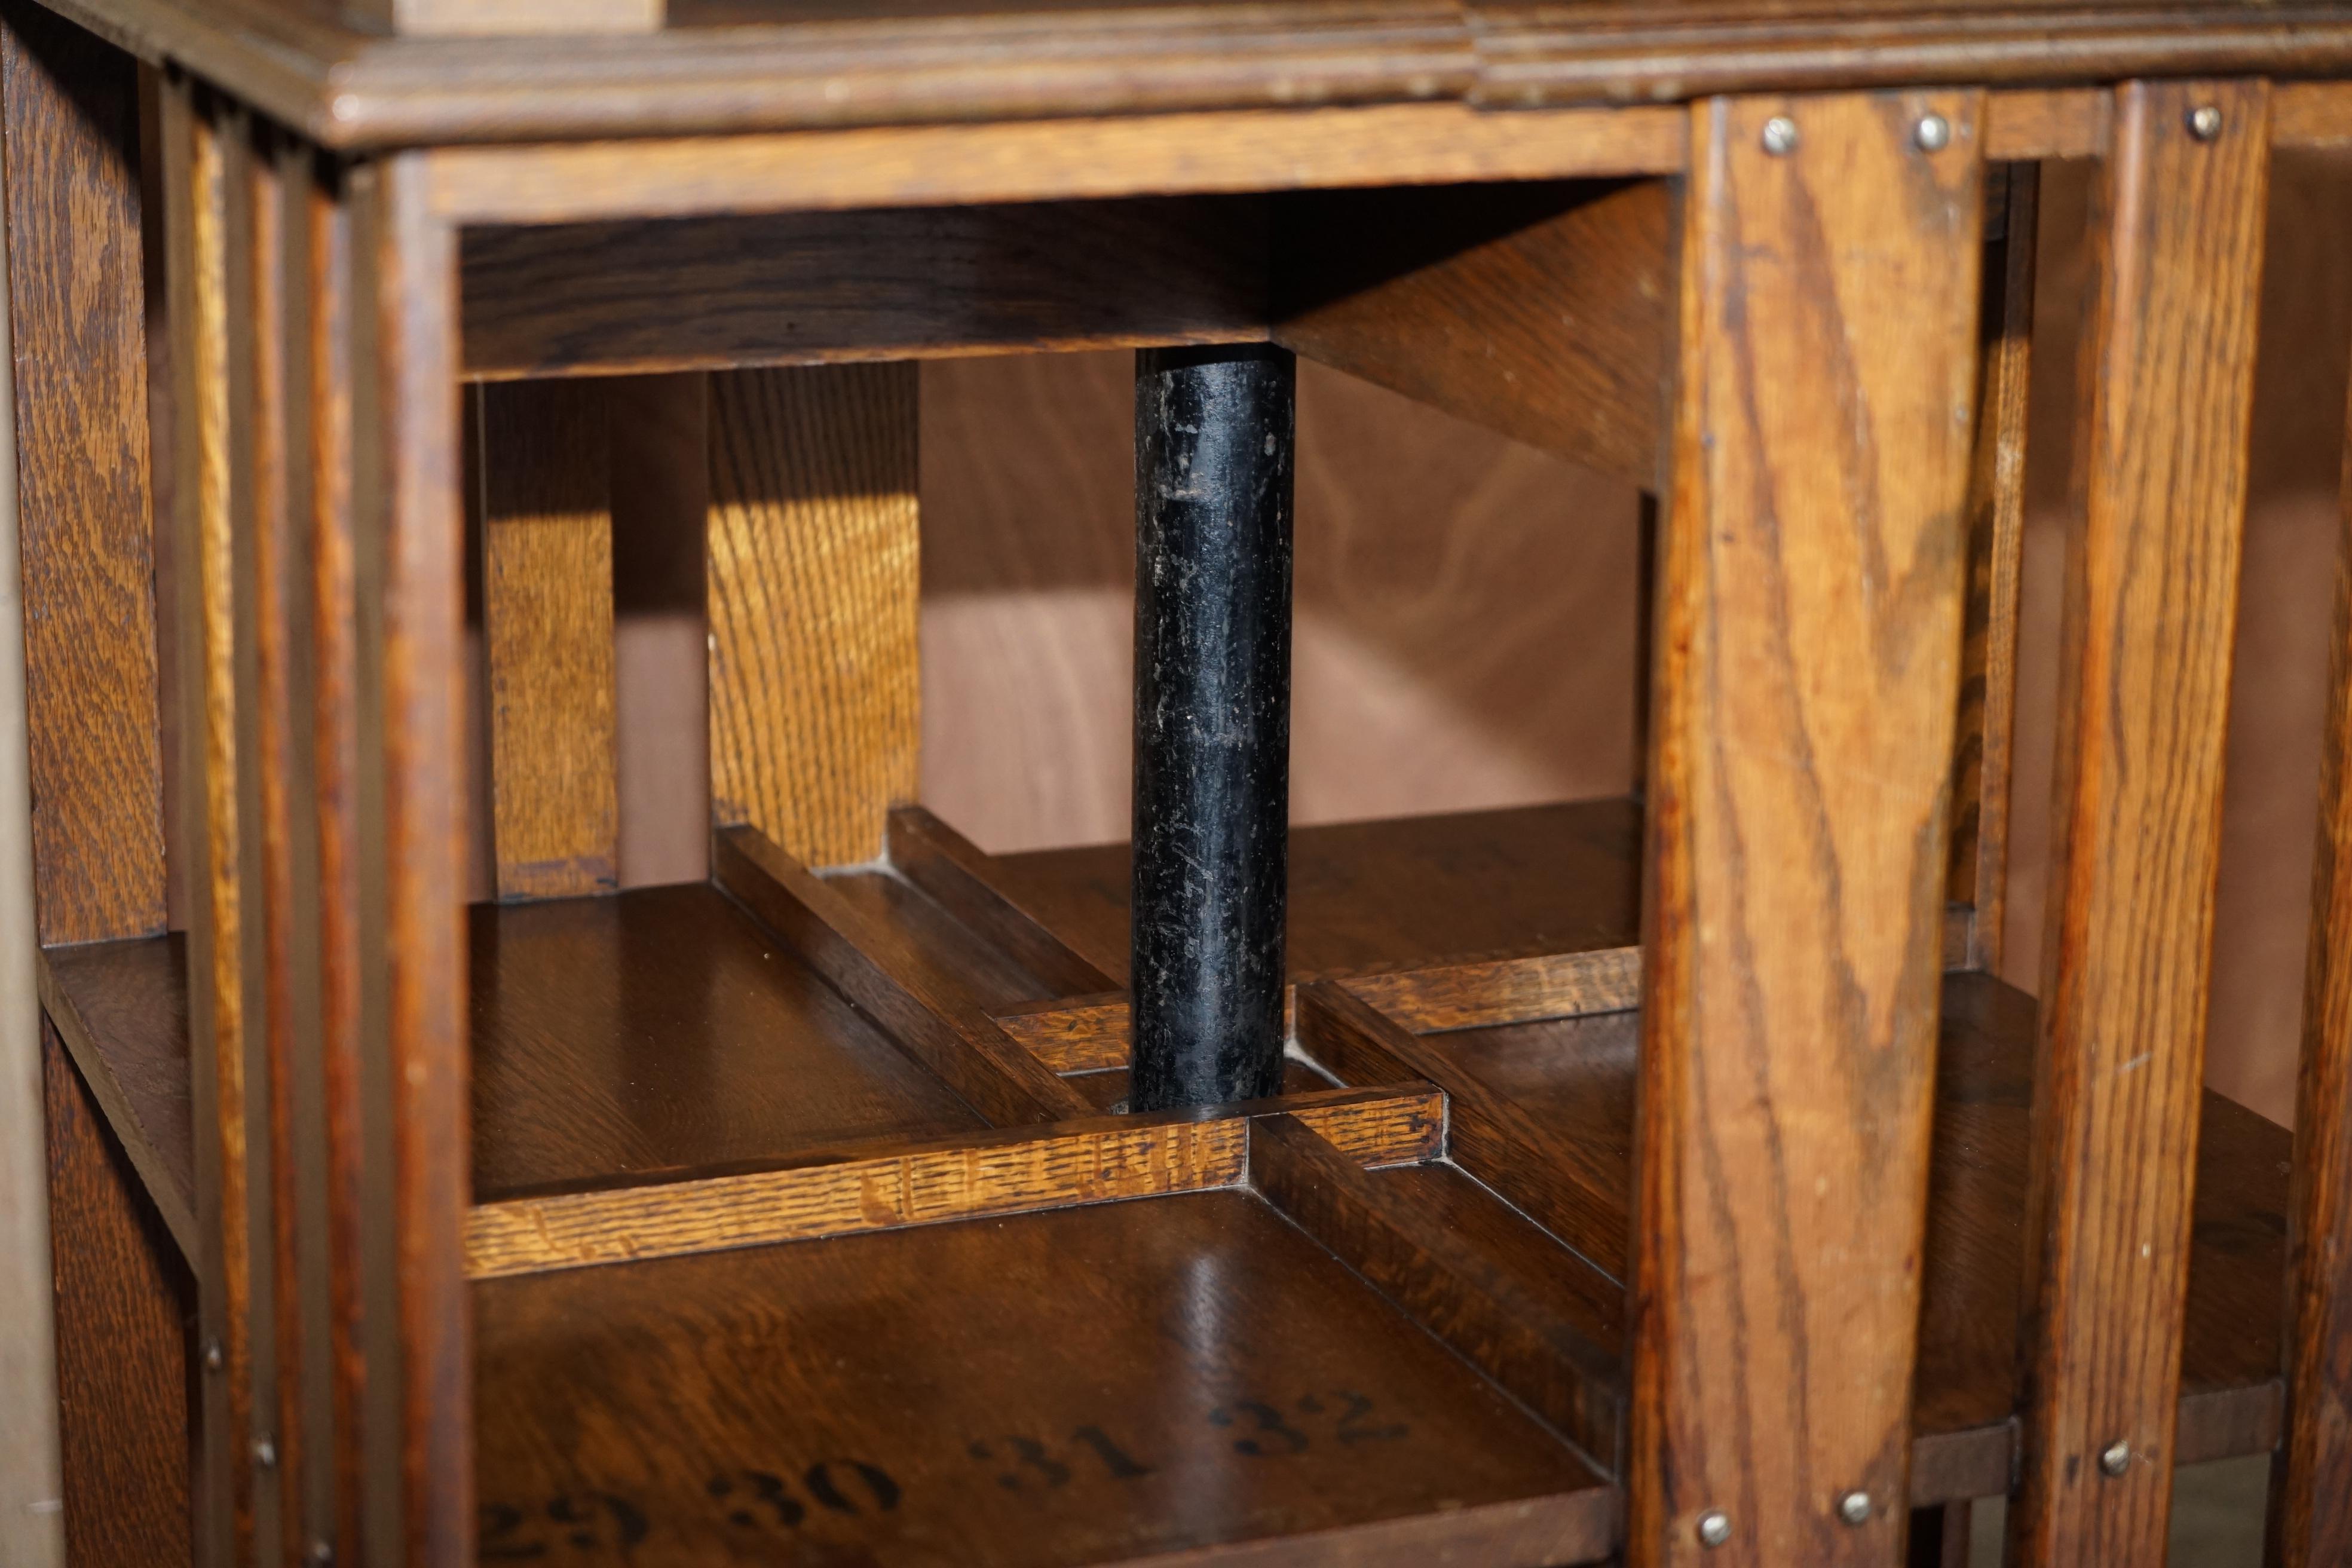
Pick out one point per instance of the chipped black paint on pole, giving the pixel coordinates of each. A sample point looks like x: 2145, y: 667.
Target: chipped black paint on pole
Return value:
x: 1212, y: 489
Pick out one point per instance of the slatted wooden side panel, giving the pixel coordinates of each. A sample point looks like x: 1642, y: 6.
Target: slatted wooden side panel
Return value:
x: 813, y: 589
x: 547, y: 619
x: 1813, y: 568
x: 2152, y: 588
x: 2311, y: 1482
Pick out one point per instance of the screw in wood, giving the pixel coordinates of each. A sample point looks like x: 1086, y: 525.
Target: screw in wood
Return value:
x: 1780, y: 136
x: 264, y: 1453
x: 1933, y: 133
x: 2205, y: 122
x: 2116, y: 1458
x: 1855, y: 1507
x: 321, y: 1553
x: 213, y: 1360
x: 1713, y: 1527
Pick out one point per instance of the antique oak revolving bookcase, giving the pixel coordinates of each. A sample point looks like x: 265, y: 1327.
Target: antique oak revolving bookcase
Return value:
x: 1666, y: 1177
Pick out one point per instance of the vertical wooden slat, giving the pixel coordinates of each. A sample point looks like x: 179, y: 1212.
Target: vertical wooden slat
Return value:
x: 1809, y: 611
x: 547, y: 617
x: 281, y: 485
x: 2151, y: 600
x: 2311, y: 1481
x: 197, y: 224
x: 409, y: 621
x: 324, y: 325
x: 245, y: 772
x: 77, y: 320
x: 1981, y: 777
x: 813, y: 562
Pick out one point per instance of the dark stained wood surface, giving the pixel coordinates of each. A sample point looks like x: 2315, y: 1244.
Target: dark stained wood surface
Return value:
x: 1402, y: 893
x: 123, y: 1011
x: 1208, y: 1375
x: 1578, y: 1074
x: 953, y: 870
x: 876, y: 967
x: 1512, y: 1301
x: 2153, y: 551
x: 1540, y: 310
x: 660, y: 1028
x: 77, y: 327
x: 125, y: 1313
x: 951, y: 958
x: 810, y: 288
x: 1811, y: 574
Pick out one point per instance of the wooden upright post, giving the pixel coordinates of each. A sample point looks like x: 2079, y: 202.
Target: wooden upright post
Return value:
x: 1812, y: 571
x: 2311, y: 1478
x: 2151, y: 604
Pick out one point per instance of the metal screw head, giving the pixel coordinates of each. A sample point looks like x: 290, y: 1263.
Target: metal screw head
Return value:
x: 213, y: 1360
x: 2116, y: 1458
x: 1713, y: 1527
x: 1933, y: 133
x: 2205, y: 122
x: 1855, y: 1507
x: 1779, y: 140
x: 264, y: 1453
x: 321, y: 1553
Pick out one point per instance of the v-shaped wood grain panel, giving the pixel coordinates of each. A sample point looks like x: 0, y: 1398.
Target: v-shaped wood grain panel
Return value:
x: 1813, y: 569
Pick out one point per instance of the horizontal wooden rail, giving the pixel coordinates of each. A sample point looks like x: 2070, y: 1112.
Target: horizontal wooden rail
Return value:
x: 1089, y: 1034
x: 895, y: 1184
x: 871, y: 966
x: 1181, y: 154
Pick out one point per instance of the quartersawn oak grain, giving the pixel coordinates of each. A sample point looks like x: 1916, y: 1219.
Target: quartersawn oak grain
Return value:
x: 77, y: 320
x: 124, y: 1306
x: 547, y: 625
x: 1813, y: 572
x: 889, y: 1184
x: 2151, y: 599
x: 813, y: 589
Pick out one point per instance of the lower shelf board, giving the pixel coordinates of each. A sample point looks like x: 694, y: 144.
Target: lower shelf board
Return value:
x: 1127, y: 1382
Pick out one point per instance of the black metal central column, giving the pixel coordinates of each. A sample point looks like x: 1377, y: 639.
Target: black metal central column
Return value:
x: 1213, y: 497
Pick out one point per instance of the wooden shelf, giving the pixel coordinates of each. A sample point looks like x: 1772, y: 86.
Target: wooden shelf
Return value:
x: 1566, y: 1086
x: 661, y: 1029
x: 1123, y: 1382
x: 1405, y: 892
x: 662, y: 1081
